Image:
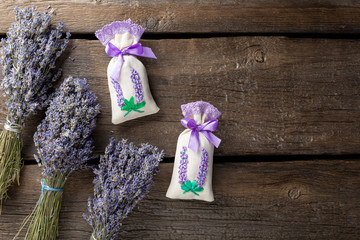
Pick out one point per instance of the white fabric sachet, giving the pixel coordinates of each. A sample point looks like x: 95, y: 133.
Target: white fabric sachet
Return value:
x: 127, y: 78
x: 193, y: 165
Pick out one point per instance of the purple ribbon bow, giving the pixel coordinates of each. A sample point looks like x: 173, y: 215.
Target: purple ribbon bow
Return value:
x: 135, y: 49
x: 205, y: 128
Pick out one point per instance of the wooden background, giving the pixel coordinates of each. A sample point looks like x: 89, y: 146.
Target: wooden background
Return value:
x: 285, y: 75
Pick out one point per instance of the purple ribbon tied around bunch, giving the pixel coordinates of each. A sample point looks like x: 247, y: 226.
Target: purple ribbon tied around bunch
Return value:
x: 205, y: 129
x: 136, y: 49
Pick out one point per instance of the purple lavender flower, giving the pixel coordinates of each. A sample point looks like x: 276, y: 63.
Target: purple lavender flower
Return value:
x: 28, y: 55
x: 123, y: 178
x: 203, y: 168
x: 135, y: 78
x: 63, y: 138
x: 183, y: 166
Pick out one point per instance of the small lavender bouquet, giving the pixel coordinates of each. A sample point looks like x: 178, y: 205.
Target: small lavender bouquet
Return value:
x: 64, y: 145
x: 28, y: 55
x: 124, y: 177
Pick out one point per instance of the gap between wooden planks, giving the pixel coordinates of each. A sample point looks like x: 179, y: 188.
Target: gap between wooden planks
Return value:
x: 274, y: 200
x: 277, y: 95
x: 210, y: 16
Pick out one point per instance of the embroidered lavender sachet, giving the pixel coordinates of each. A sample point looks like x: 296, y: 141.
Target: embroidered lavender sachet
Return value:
x: 193, y: 166
x: 127, y: 78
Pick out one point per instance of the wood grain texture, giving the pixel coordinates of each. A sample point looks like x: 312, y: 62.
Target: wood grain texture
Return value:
x: 277, y: 95
x: 204, y: 16
x: 274, y: 200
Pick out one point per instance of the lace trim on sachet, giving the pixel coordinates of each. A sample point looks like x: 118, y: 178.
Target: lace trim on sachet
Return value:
x: 108, y: 31
x: 200, y: 107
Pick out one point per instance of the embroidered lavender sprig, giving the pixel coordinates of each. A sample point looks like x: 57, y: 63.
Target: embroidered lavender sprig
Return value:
x: 119, y: 93
x: 123, y: 177
x: 135, y: 79
x: 64, y: 144
x: 183, y: 166
x: 28, y: 56
x: 203, y: 168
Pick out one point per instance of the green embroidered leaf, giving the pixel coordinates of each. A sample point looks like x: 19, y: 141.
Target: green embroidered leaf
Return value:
x: 188, y: 184
x: 131, y: 102
x: 193, y: 185
x: 199, y: 189
x: 125, y: 108
x: 194, y: 192
x: 185, y: 188
x: 126, y: 102
x: 140, y: 105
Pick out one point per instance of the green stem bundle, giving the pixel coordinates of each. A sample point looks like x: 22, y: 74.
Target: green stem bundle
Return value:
x: 10, y: 161
x: 44, y: 219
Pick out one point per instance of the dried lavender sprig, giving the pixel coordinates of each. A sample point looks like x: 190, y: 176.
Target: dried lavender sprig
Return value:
x: 28, y: 55
x: 123, y: 177
x: 64, y: 144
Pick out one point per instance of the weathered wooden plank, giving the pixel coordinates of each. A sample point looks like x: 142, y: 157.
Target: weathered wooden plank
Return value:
x: 164, y: 16
x: 274, y: 200
x: 277, y: 95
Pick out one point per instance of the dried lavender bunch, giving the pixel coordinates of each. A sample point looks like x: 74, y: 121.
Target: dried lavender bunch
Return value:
x: 124, y: 177
x: 28, y: 56
x: 64, y: 144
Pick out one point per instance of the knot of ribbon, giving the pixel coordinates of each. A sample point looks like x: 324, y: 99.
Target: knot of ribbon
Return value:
x: 205, y: 129
x: 46, y: 187
x: 136, y: 49
x: 12, y: 127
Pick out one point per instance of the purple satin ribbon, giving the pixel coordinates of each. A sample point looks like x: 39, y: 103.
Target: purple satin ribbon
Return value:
x: 205, y: 128
x: 135, y: 49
